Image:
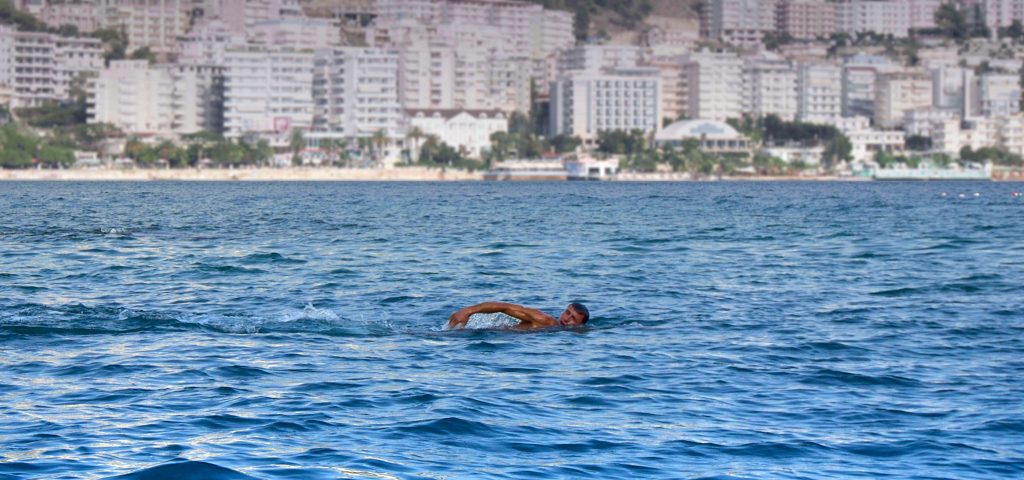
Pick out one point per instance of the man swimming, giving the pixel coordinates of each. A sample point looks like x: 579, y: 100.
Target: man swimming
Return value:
x: 529, y: 318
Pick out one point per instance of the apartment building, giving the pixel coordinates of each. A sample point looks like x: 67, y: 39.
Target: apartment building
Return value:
x: 598, y: 57
x: 134, y: 97
x: 674, y: 86
x: 820, y: 92
x: 158, y: 100
x: 42, y: 67
x: 585, y: 103
x: 155, y: 24
x: 999, y: 94
x: 879, y: 16
x: 267, y: 91
x: 807, y: 19
x: 206, y: 43
x: 859, y: 75
x: 86, y: 16
x: 898, y: 93
x: 527, y: 27
x: 952, y: 88
x: 740, y: 22
x: 456, y: 67
x: 773, y: 84
x: 295, y: 32
x: 241, y: 15
x: 355, y: 91
x: 995, y: 14
x: 716, y: 85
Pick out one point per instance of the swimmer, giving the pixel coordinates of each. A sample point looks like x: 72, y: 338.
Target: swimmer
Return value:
x: 529, y: 319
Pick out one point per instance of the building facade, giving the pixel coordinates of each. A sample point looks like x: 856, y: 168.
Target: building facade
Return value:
x: 898, y: 93
x: 717, y: 86
x: 355, y: 90
x: 584, y: 104
x: 820, y: 93
x: 807, y: 19
x: 267, y: 91
x: 468, y: 131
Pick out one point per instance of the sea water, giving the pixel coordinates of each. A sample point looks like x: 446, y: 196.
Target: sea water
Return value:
x: 295, y: 330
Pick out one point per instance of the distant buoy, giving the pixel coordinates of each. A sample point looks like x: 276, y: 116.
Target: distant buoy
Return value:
x: 1015, y: 194
x: 943, y: 194
x: 976, y: 194
x: 961, y: 196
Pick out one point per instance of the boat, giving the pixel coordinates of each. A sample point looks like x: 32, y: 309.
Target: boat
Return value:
x: 929, y: 173
x: 528, y: 170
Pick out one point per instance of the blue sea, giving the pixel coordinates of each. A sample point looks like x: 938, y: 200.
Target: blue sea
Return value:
x: 296, y: 330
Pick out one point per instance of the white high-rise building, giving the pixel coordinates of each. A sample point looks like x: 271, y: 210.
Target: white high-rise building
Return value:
x: 584, y: 103
x: 356, y: 92
x: 527, y: 28
x: 86, y: 16
x: 594, y: 58
x: 206, y: 43
x: 859, y: 73
x: 879, y: 16
x: 717, y: 86
x: 922, y: 13
x: 999, y: 94
x: 267, y: 91
x: 456, y: 67
x: 41, y: 67
x: 807, y: 19
x: 160, y: 100
x: 996, y: 13
x: 296, y: 32
x: 155, y: 24
x: 241, y: 15
x: 674, y: 86
x: 740, y: 22
x: 773, y: 87
x: 820, y: 93
x: 952, y: 88
x: 897, y: 93
x: 134, y: 97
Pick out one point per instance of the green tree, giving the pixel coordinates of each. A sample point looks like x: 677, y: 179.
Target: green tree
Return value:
x: 144, y: 53
x: 380, y: 141
x: 565, y: 143
x: 952, y: 22
x: 297, y: 142
x: 839, y: 149
x: 581, y: 23
x: 918, y: 143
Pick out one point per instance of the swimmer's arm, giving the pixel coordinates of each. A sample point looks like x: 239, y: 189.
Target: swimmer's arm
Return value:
x: 527, y: 315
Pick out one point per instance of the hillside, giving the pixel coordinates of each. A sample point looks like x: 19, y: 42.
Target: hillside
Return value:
x: 624, y: 20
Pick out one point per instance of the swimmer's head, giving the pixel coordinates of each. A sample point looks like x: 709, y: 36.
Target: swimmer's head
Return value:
x: 575, y: 314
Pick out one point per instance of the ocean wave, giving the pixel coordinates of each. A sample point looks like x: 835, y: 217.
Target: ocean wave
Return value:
x: 79, y: 319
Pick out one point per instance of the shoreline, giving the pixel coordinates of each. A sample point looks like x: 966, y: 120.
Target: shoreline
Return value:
x: 313, y: 174
x: 288, y: 174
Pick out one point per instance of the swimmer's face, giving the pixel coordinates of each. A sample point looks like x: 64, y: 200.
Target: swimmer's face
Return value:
x: 571, y: 317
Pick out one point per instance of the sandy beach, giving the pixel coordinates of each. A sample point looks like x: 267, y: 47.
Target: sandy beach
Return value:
x: 297, y: 174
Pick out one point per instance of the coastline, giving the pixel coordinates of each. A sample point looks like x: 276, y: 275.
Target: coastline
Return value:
x: 288, y: 174
x: 326, y: 174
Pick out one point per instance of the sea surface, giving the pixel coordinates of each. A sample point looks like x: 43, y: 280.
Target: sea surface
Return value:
x: 296, y: 330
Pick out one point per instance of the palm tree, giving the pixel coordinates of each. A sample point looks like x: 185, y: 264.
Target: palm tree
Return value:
x: 415, y: 133
x: 379, y: 139
x: 297, y: 142
x: 364, y: 145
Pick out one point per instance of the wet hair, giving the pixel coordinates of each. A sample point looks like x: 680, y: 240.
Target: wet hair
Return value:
x: 579, y: 307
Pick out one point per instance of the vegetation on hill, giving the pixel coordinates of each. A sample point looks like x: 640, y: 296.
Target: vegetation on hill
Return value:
x: 627, y: 14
